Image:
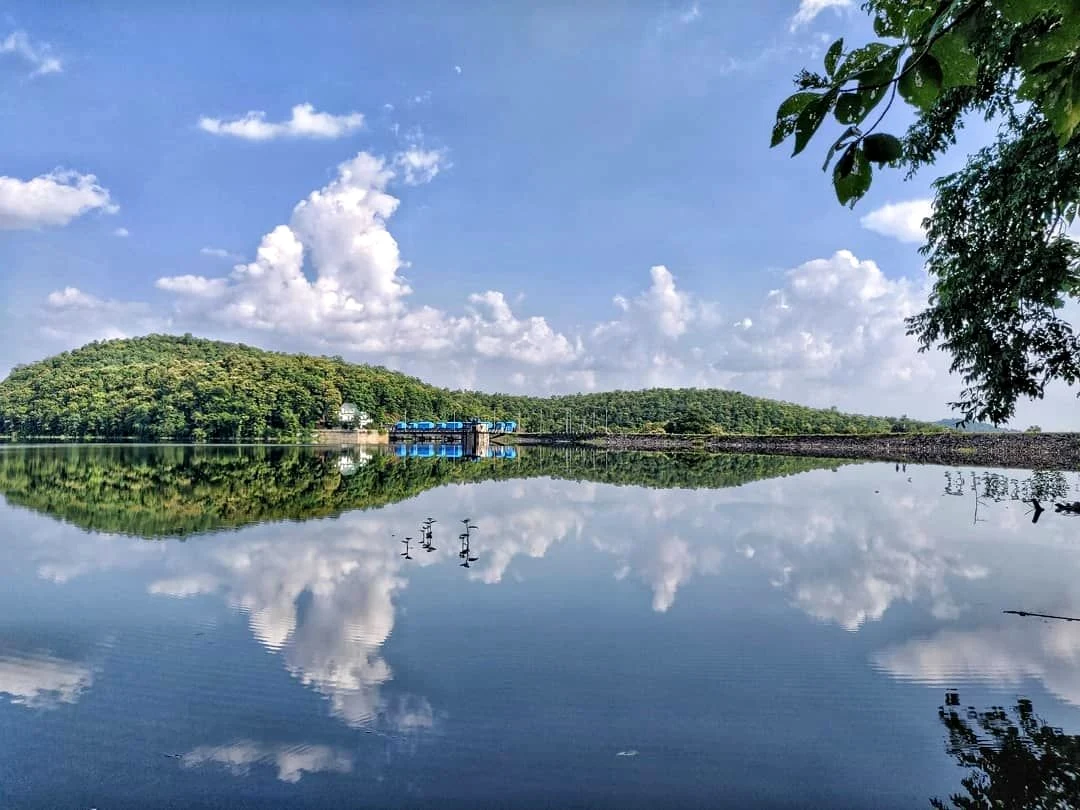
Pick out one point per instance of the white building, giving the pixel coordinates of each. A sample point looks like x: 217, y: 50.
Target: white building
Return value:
x: 349, y: 414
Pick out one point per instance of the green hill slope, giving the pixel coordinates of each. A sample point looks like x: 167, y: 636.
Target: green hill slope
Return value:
x: 168, y: 387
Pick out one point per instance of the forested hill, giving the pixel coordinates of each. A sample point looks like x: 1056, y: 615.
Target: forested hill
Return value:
x: 168, y: 387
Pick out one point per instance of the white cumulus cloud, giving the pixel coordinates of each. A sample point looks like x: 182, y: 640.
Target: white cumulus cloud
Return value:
x: 331, y: 279
x: 903, y: 221
x: 193, y: 285
x: 122, y: 233
x: 51, y: 199
x: 72, y: 298
x: 37, y: 55
x: 219, y: 253
x: 72, y: 317
x: 809, y: 9
x: 358, y: 298
x: 420, y: 166
x: 305, y: 122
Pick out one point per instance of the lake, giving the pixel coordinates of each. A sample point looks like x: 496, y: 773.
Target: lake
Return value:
x: 237, y: 627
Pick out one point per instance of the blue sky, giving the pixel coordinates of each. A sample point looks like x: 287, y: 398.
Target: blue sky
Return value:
x: 486, y: 193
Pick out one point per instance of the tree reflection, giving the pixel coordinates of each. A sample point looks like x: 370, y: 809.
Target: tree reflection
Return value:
x: 1040, y: 486
x: 176, y: 491
x: 1016, y: 760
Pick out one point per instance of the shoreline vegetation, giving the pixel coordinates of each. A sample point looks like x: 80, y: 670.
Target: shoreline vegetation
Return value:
x: 1034, y: 451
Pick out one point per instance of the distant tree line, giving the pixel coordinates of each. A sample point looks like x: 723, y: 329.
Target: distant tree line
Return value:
x: 163, y: 387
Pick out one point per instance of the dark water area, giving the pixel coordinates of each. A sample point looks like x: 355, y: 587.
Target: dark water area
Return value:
x: 238, y: 628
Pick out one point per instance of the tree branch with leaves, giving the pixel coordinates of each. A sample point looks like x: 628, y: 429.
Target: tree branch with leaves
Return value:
x: 997, y: 245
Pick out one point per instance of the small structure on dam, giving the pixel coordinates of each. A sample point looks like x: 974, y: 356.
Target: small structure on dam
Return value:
x: 473, y: 436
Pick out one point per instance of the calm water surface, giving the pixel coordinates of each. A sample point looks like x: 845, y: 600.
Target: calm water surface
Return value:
x: 192, y: 628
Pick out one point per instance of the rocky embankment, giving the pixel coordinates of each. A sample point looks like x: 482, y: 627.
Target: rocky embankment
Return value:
x: 1060, y: 451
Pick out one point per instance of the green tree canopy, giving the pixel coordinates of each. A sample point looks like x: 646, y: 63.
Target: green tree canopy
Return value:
x: 165, y: 387
x: 997, y: 249
x: 692, y: 420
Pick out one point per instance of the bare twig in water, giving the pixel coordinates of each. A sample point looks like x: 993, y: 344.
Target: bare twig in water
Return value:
x: 1042, y: 615
x: 1037, y: 508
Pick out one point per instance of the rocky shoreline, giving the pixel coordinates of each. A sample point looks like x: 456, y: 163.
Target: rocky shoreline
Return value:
x: 1059, y: 451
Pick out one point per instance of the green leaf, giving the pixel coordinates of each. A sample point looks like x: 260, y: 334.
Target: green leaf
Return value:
x: 1024, y: 11
x: 884, y: 25
x: 868, y: 57
x: 852, y: 175
x: 788, y: 114
x: 846, y: 164
x: 832, y: 56
x: 809, y: 120
x: 959, y: 66
x: 1061, y: 106
x: 1034, y: 85
x: 1055, y: 90
x: 882, y: 148
x: 940, y: 17
x: 902, y: 20
x: 920, y: 83
x: 916, y: 19
x: 850, y: 108
x: 849, y: 133
x: 1060, y: 42
x: 874, y: 82
x: 794, y: 104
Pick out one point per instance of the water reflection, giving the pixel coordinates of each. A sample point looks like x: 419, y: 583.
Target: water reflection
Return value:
x: 1007, y: 652
x: 324, y: 601
x: 43, y: 681
x: 177, y: 491
x: 466, y: 553
x: 330, y: 599
x: 1015, y: 760
x: 845, y: 562
x: 290, y: 762
x: 1041, y: 485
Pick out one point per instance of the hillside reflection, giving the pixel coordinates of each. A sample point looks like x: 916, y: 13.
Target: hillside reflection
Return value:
x: 176, y: 491
x: 332, y: 603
